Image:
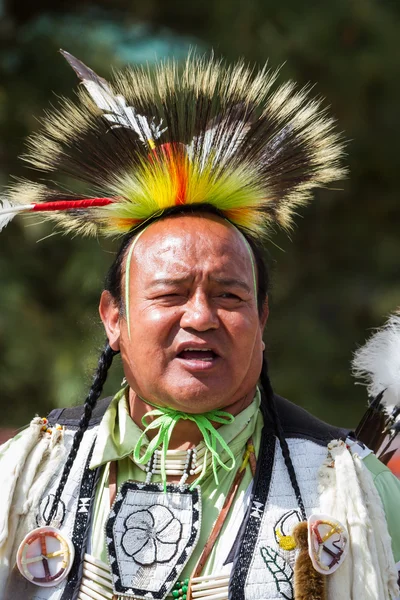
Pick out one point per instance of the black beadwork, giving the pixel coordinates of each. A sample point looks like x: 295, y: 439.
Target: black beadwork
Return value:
x: 81, y: 528
x: 253, y: 518
x: 175, y: 571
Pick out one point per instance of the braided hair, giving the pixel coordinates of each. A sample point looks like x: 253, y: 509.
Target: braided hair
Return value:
x: 113, y: 284
x: 269, y: 407
x: 99, y: 379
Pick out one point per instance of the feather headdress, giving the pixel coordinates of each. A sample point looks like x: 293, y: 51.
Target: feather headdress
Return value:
x: 377, y: 364
x: 150, y: 140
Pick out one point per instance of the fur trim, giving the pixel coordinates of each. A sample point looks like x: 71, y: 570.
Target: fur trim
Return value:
x: 345, y: 493
x: 41, y: 454
x: 339, y: 583
x: 377, y: 530
x: 54, y: 458
x: 12, y: 464
x: 308, y: 583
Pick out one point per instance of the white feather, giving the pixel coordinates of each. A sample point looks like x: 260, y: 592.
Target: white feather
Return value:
x: 9, y: 210
x: 120, y: 114
x: 377, y: 363
x: 220, y: 146
x: 5, y: 214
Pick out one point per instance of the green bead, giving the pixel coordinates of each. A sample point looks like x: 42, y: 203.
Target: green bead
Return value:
x: 175, y: 593
x: 186, y: 582
x: 184, y: 589
x: 184, y: 597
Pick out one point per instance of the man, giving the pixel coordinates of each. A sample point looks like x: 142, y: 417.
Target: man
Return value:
x: 194, y: 480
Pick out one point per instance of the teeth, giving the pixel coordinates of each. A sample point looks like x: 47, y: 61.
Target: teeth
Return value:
x: 206, y: 358
x: 197, y: 350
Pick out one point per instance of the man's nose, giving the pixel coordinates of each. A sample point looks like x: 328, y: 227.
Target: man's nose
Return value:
x: 199, y: 314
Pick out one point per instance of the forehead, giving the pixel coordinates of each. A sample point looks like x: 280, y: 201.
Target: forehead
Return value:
x: 191, y: 244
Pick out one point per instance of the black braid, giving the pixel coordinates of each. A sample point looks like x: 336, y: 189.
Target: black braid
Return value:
x: 270, y: 406
x: 99, y: 379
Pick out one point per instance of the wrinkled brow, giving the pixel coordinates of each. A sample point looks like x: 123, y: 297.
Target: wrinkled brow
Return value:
x: 223, y: 281
x: 232, y: 282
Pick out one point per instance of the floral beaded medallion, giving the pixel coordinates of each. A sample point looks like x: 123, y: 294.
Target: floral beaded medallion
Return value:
x: 151, y: 534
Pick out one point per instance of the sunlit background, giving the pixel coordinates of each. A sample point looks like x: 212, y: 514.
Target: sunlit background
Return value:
x: 336, y: 278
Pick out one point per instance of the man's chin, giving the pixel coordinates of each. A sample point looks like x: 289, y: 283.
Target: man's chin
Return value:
x: 196, y: 396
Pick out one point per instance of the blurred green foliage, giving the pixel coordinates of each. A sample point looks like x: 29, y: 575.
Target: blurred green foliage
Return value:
x: 335, y: 279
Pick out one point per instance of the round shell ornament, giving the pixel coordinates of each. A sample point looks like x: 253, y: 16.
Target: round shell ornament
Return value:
x: 328, y: 543
x: 45, y: 556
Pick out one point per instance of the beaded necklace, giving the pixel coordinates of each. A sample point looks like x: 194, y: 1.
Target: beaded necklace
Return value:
x: 194, y: 461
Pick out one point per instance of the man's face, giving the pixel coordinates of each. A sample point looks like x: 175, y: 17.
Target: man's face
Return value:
x: 196, y: 336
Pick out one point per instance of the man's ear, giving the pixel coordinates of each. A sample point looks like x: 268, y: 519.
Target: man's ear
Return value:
x: 109, y: 314
x: 265, y: 313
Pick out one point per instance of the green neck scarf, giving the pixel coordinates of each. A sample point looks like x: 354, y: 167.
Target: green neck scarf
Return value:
x: 165, y: 421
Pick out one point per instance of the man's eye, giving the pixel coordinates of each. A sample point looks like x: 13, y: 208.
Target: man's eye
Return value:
x: 229, y: 295
x: 170, y: 296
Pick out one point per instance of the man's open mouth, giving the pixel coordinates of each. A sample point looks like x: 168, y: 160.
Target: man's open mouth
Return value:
x: 203, y: 354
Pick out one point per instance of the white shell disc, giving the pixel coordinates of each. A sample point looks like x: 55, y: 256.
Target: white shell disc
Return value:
x: 328, y: 543
x: 45, y: 556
